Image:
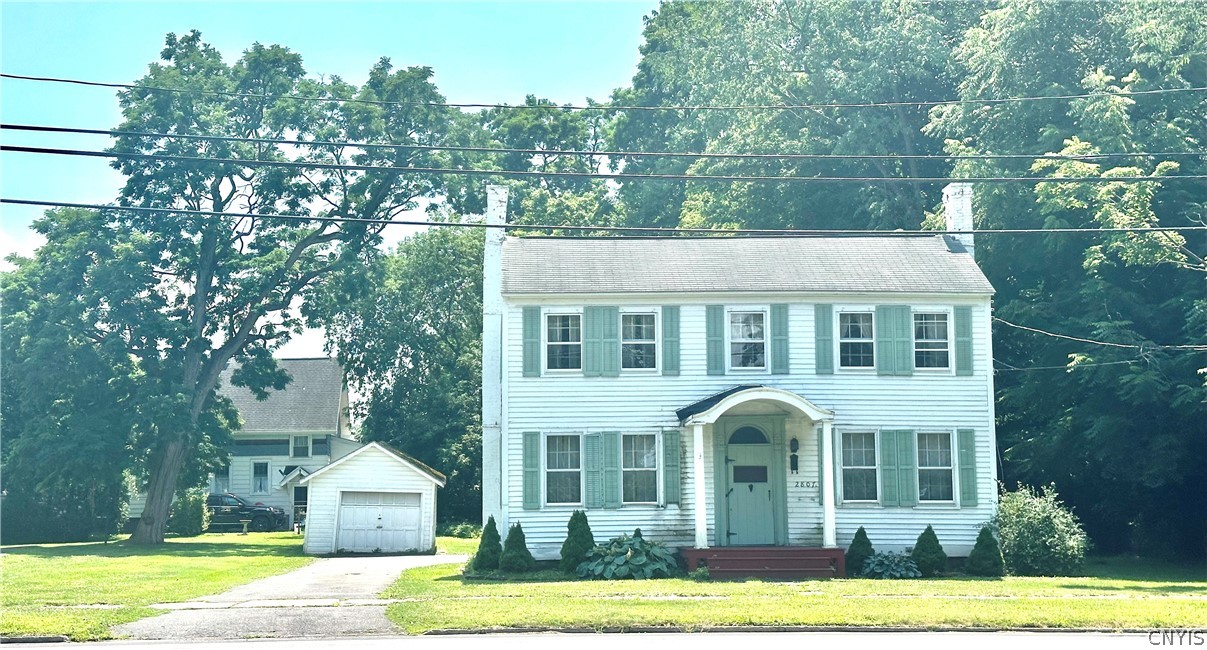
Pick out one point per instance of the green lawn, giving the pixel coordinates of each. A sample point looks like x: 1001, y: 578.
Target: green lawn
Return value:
x: 456, y: 546
x: 80, y: 590
x: 1116, y: 594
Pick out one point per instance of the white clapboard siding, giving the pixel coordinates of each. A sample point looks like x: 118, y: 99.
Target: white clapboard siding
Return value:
x: 371, y: 470
x: 646, y: 403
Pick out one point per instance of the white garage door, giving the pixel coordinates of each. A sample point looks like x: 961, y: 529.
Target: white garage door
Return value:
x: 381, y: 522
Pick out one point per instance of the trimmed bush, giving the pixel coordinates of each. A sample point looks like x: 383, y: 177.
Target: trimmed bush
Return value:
x: 489, y: 549
x: 628, y: 557
x: 890, y: 566
x: 515, y: 557
x: 189, y: 517
x: 859, y: 551
x: 928, y: 554
x: 579, y: 542
x: 1038, y: 535
x: 986, y: 557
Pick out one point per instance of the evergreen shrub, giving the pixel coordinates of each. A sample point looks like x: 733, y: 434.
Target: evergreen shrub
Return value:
x: 928, y: 554
x: 859, y: 551
x: 489, y: 548
x: 579, y: 542
x: 515, y: 557
x: 986, y: 557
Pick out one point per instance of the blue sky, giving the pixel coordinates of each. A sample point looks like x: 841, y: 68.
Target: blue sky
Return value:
x: 480, y: 51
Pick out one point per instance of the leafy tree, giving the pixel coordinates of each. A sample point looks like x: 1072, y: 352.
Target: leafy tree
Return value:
x: 928, y: 554
x: 186, y: 295
x: 986, y: 556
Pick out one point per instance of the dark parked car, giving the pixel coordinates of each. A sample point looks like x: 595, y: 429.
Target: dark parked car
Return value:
x: 227, y: 512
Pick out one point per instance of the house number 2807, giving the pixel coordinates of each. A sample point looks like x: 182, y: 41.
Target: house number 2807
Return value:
x: 804, y: 484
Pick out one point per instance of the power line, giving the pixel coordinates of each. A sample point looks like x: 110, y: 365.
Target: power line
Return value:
x: 1130, y: 346
x: 604, y: 107
x: 612, y: 154
x: 444, y: 171
x: 1010, y: 368
x: 630, y: 229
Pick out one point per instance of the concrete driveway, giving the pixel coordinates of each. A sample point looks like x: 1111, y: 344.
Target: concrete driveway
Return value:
x: 330, y: 597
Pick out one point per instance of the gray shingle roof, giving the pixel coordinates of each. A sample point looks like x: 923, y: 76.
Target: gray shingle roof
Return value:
x: 560, y: 265
x: 311, y: 402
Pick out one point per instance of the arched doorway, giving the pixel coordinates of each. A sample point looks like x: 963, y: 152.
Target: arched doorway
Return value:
x: 751, y: 487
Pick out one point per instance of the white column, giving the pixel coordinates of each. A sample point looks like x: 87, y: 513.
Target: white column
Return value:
x: 829, y: 532
x: 698, y: 479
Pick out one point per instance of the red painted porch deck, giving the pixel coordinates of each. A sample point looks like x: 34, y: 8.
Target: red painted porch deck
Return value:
x: 777, y: 562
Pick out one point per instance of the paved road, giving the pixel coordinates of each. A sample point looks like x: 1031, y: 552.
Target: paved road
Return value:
x: 329, y: 597
x: 704, y: 641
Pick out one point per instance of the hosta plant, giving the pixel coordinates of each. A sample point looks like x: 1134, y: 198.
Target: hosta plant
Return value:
x: 628, y: 557
x: 890, y: 566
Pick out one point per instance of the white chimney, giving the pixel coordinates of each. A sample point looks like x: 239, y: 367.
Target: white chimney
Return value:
x: 957, y: 212
x: 492, y: 356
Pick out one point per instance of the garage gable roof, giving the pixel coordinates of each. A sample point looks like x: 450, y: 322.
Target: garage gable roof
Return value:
x: 403, y: 458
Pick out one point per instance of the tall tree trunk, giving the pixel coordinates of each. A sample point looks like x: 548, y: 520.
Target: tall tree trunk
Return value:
x: 164, y: 471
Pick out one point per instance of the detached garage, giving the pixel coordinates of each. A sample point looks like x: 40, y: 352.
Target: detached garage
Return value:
x: 374, y: 500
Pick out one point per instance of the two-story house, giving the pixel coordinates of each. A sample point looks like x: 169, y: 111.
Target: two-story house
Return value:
x: 739, y: 391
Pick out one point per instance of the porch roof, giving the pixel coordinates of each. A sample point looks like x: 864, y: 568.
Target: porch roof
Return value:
x: 696, y: 408
x: 707, y: 410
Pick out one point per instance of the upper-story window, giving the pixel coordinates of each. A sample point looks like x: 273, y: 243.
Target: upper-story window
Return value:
x: 638, y: 342
x: 747, y: 340
x: 301, y: 447
x: 563, y: 342
x: 856, y: 346
x: 931, y: 347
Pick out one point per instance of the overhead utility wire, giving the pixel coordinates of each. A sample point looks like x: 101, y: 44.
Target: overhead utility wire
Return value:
x: 1010, y: 368
x: 632, y: 229
x: 603, y: 107
x: 587, y: 152
x: 1130, y: 346
x: 444, y: 171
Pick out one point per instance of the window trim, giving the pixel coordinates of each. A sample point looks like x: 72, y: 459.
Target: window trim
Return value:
x: 293, y: 446
x: 839, y: 340
x: 875, y: 467
x: 950, y: 349
x: 657, y: 469
x: 765, y: 311
x: 657, y: 340
x: 267, y: 476
x: 951, y: 467
x: 582, y: 488
x: 545, y: 314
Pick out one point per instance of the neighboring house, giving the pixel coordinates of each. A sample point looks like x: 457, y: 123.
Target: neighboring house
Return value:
x: 374, y: 500
x: 739, y: 391
x: 287, y: 436
x: 292, y: 433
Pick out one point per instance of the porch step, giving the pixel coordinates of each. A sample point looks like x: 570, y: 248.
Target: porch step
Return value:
x: 783, y: 562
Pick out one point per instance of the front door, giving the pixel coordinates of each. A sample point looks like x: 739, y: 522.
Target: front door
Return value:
x: 749, y: 494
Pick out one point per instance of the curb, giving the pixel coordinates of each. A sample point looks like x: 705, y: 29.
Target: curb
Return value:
x: 771, y: 629
x: 34, y: 639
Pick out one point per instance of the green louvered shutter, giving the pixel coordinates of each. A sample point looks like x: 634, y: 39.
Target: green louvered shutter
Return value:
x: 907, y: 469
x: 593, y: 470
x: 963, y: 330
x: 670, y: 341
x: 532, y: 341
x: 611, y: 469
x: 823, y: 329
x: 608, y: 321
x: 894, y: 340
x: 890, y: 494
x: 714, y: 334
x: 592, y: 341
x: 968, y: 470
x: 779, y: 339
x: 672, y: 455
x: 532, y: 470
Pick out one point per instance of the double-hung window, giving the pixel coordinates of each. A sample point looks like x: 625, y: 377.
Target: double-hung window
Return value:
x: 259, y: 478
x: 856, y: 346
x: 931, y: 349
x: 934, y: 467
x: 563, y: 342
x: 639, y: 468
x: 563, y: 470
x: 301, y: 447
x: 859, y: 466
x: 747, y: 340
x: 222, y: 479
x: 638, y: 342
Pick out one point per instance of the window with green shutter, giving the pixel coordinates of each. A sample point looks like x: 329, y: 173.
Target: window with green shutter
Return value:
x: 672, y: 457
x: 963, y: 331
x: 894, y: 340
x: 714, y: 326
x: 966, y: 441
x: 779, y: 339
x: 898, y: 468
x: 670, y: 340
x: 823, y: 339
